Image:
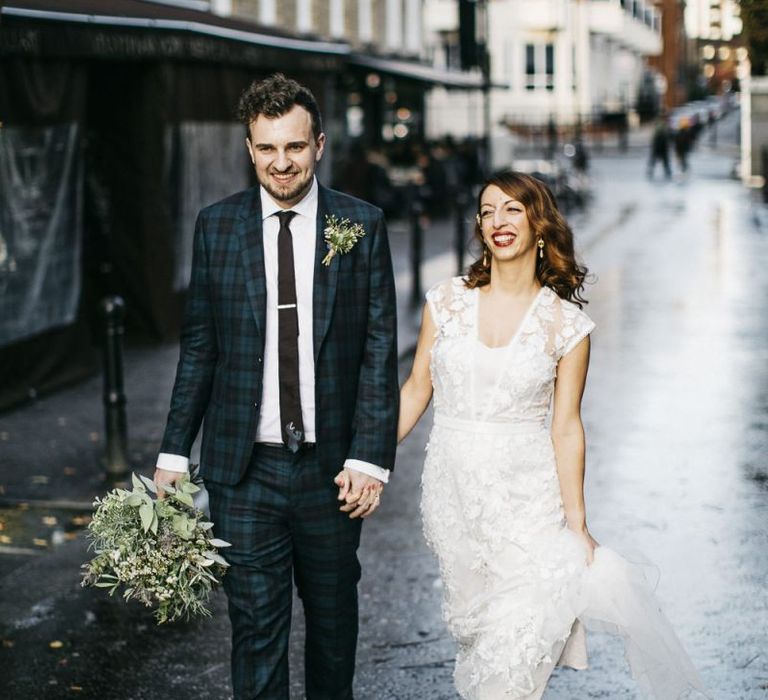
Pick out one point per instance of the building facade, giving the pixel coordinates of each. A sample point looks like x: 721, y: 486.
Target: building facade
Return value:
x: 550, y: 60
x: 714, y: 28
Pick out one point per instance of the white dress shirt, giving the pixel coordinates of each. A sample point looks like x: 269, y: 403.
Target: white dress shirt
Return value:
x: 303, y: 232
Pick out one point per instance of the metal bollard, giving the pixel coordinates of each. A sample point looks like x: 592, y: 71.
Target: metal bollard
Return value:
x: 461, y: 208
x: 417, y: 246
x: 115, y: 457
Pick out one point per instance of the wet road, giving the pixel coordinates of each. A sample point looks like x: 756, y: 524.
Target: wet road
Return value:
x: 676, y: 413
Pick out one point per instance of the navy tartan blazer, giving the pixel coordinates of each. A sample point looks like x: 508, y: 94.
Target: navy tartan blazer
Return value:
x: 219, y: 377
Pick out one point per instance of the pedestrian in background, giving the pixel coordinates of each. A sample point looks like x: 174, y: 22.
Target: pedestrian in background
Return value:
x: 660, y: 148
x: 683, y: 145
x: 580, y: 156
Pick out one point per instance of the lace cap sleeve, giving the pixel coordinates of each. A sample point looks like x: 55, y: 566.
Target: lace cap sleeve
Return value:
x: 434, y: 302
x: 575, y: 325
x: 443, y: 298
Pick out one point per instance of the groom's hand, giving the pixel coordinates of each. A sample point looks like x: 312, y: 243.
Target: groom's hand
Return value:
x: 164, y: 476
x: 359, y: 492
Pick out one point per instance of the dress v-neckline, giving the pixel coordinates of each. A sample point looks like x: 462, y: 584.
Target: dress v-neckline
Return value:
x: 520, y: 325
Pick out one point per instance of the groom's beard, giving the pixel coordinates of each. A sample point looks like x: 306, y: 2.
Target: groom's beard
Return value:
x: 292, y: 192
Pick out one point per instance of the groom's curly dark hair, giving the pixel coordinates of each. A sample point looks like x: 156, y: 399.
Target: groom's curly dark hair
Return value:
x: 273, y: 97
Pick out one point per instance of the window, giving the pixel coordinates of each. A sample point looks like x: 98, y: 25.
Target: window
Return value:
x: 449, y: 42
x: 268, y: 12
x: 549, y: 62
x: 539, y: 66
x: 530, y: 66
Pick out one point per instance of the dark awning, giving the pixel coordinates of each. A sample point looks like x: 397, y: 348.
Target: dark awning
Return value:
x: 421, y: 72
x: 119, y: 29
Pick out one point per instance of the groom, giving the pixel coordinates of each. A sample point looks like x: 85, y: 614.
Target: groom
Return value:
x: 292, y: 364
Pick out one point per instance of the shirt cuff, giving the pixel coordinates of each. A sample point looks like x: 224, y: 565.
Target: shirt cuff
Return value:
x: 368, y: 469
x: 172, y: 463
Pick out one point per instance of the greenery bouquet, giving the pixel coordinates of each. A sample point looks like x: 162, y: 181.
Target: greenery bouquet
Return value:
x: 158, y: 551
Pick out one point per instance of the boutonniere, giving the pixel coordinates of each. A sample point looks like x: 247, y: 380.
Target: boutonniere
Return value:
x: 340, y: 236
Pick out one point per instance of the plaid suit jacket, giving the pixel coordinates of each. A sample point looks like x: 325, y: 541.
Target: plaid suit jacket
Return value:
x: 219, y: 377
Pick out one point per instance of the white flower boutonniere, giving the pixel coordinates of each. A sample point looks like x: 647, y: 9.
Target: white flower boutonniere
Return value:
x: 340, y: 236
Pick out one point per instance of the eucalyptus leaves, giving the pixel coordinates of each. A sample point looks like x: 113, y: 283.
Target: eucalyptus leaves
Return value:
x: 160, y: 551
x: 340, y: 236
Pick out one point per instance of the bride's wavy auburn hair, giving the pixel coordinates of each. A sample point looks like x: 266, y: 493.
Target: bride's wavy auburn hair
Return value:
x: 558, y: 268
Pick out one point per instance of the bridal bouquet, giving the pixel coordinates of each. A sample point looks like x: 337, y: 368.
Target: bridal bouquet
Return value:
x: 160, y: 552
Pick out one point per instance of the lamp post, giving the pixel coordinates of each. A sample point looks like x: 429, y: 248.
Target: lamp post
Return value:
x: 474, y: 29
x: 115, y: 458
x: 484, y: 58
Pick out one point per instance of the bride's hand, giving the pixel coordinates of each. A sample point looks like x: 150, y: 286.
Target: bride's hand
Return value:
x: 590, y: 544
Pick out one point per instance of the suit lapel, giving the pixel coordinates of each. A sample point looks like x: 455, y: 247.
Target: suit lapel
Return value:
x: 250, y: 235
x: 325, y: 276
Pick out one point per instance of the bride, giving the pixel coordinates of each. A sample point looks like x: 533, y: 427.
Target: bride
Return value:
x: 502, y: 500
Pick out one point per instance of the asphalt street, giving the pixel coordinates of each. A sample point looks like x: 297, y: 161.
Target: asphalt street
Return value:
x: 676, y: 415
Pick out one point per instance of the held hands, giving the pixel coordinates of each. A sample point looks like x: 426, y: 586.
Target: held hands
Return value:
x: 359, y: 492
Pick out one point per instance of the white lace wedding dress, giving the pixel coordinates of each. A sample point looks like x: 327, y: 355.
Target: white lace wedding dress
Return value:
x: 516, y: 584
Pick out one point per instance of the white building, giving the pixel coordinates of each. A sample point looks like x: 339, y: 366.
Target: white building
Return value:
x: 564, y: 59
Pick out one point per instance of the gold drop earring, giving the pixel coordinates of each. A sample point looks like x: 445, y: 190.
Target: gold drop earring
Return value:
x: 486, y: 262
x: 540, y: 243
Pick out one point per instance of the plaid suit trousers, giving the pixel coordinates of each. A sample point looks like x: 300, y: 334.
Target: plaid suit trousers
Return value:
x: 283, y: 520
